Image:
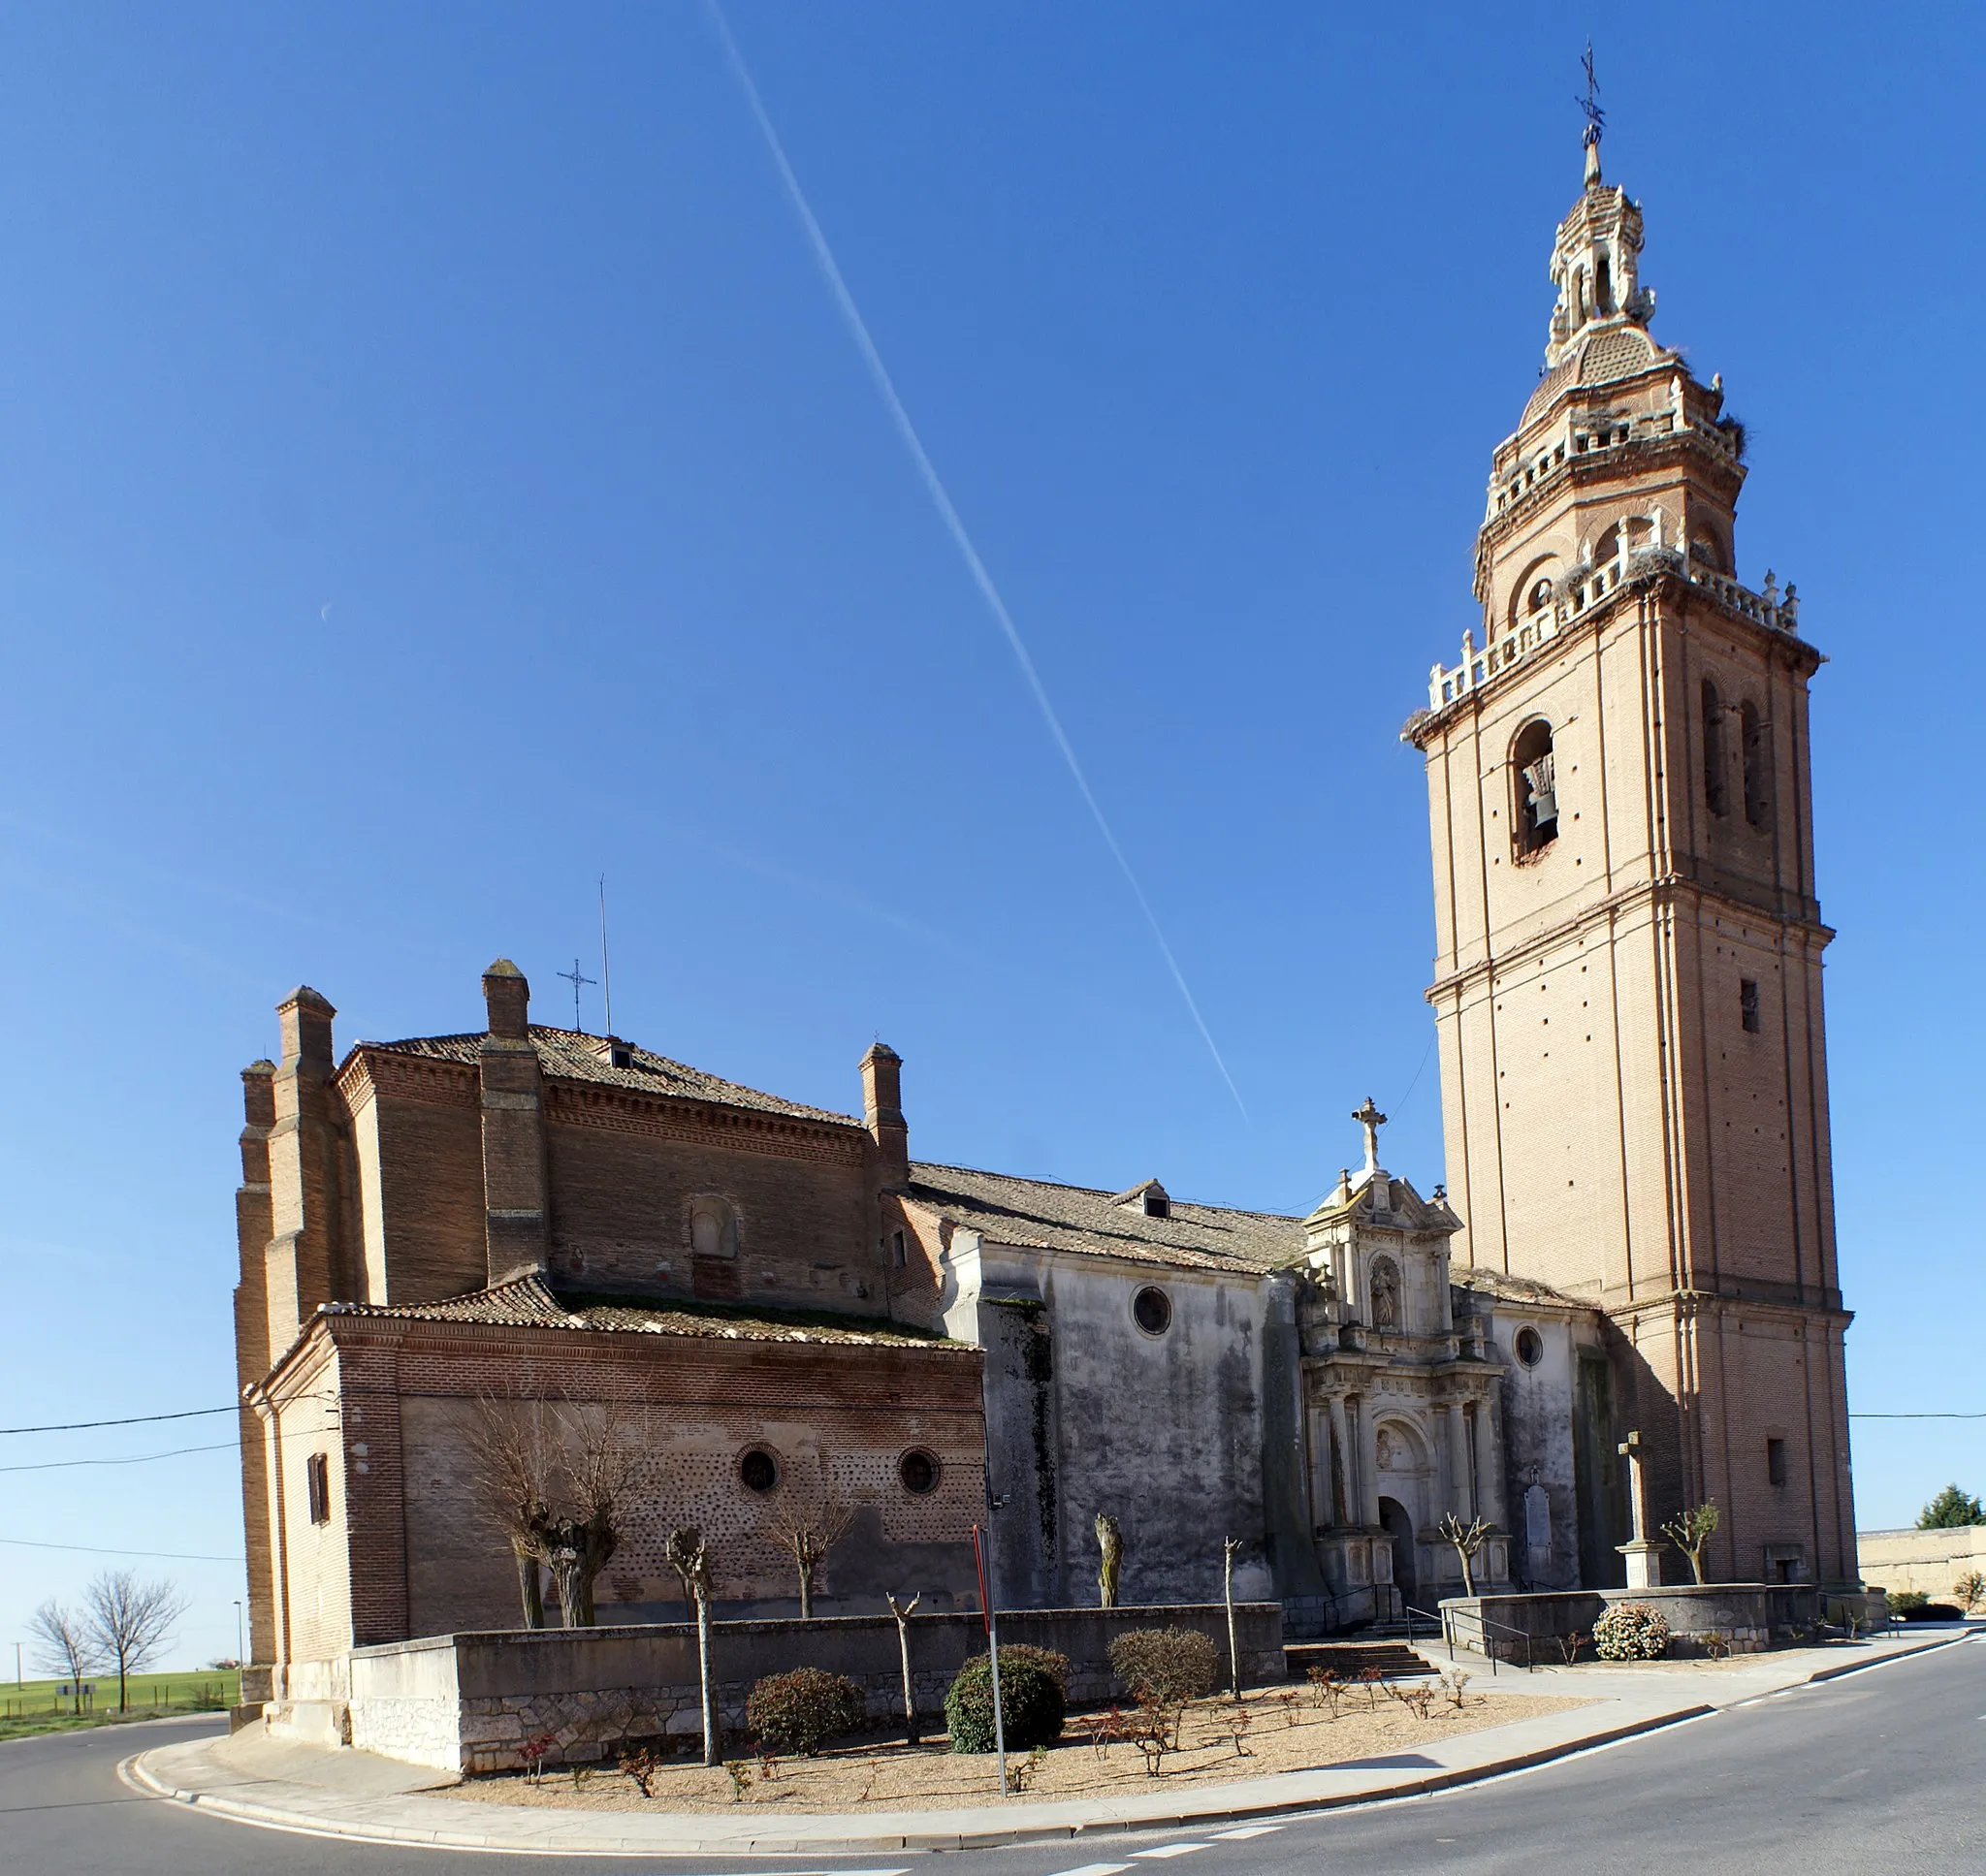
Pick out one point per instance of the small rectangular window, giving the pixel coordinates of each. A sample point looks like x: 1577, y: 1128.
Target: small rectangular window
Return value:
x: 1748, y: 1004
x: 899, y: 1252
x: 1776, y: 1462
x: 317, y: 1479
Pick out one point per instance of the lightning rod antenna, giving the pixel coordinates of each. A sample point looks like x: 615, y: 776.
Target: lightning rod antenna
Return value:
x: 607, y: 975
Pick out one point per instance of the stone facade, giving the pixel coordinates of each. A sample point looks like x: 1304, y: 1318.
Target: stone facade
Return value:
x: 1627, y: 984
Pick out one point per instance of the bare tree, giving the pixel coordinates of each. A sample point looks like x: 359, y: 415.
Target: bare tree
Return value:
x: 689, y: 1558
x: 1231, y: 1548
x: 1690, y: 1531
x: 63, y: 1644
x: 1467, y: 1541
x: 130, y: 1621
x: 1109, y: 1560
x: 902, y: 1612
x: 807, y: 1534
x: 551, y: 1476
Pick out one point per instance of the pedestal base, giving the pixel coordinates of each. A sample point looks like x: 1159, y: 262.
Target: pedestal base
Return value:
x: 1644, y: 1563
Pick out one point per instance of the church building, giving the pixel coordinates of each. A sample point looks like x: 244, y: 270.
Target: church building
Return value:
x: 789, y: 1321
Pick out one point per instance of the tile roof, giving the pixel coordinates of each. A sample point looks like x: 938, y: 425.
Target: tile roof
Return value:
x: 1512, y: 1288
x: 1035, y: 1212
x: 531, y: 1302
x: 569, y: 1055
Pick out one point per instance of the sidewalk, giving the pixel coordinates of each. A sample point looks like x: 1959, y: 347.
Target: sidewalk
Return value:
x: 253, y: 1780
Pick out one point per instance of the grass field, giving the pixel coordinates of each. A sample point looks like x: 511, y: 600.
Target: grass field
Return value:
x: 37, y: 1708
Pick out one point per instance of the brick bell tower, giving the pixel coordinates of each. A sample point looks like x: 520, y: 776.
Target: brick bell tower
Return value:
x: 1628, y: 976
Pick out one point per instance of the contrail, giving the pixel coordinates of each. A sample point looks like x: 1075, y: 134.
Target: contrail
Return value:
x: 858, y: 328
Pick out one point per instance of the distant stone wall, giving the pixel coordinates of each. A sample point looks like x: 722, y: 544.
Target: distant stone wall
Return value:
x: 470, y: 1703
x: 1931, y: 1561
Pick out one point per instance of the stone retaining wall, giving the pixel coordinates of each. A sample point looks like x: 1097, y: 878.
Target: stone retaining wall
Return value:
x: 1747, y: 1617
x: 470, y: 1702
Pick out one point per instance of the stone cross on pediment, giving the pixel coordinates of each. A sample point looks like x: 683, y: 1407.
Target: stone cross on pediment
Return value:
x: 1371, y: 1120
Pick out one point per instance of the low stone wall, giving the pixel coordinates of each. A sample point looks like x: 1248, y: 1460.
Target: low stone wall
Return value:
x: 470, y: 1703
x: 1747, y: 1616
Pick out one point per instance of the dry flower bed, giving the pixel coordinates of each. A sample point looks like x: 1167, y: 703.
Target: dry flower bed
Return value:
x: 1285, y: 1730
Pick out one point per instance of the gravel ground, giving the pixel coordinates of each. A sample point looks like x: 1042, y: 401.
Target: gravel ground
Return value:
x: 1287, y: 1731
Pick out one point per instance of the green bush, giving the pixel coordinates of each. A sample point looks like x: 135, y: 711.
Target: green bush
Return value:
x: 803, y: 1710
x: 1630, y: 1632
x: 1031, y: 1701
x: 1166, y: 1667
x: 1903, y: 1601
x: 1055, y: 1666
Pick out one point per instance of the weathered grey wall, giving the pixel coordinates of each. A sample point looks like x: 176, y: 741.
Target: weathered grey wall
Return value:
x: 1087, y: 1414
x: 1538, y: 1448
x: 470, y: 1702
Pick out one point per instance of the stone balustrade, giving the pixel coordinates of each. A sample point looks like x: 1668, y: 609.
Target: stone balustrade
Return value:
x: 1482, y: 666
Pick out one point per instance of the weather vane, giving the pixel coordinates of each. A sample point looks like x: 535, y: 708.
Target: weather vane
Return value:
x: 1596, y: 119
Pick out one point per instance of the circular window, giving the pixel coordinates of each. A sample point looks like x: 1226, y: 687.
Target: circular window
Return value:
x: 1152, y: 1310
x: 1530, y: 1346
x: 759, y: 1470
x: 918, y: 1471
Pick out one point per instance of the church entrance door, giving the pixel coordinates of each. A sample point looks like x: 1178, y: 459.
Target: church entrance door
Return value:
x: 1399, y: 1527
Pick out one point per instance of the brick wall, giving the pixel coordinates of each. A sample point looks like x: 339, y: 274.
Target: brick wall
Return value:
x: 417, y: 1553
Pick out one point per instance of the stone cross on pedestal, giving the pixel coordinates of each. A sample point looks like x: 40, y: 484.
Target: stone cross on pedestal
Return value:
x: 1643, y: 1553
x: 1371, y: 1120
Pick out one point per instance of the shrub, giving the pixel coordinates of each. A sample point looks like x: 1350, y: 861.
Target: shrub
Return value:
x: 1630, y: 1632
x: 1031, y: 1701
x: 1903, y: 1601
x: 804, y: 1710
x: 1055, y: 1666
x: 1167, y: 1667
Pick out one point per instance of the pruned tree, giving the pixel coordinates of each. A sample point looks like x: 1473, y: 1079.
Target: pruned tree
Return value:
x: 1467, y: 1541
x: 1970, y: 1590
x: 1231, y: 1548
x: 689, y: 1558
x: 63, y: 1644
x: 1109, y: 1559
x: 130, y: 1621
x: 902, y: 1612
x: 549, y: 1475
x: 807, y: 1533
x: 1691, y: 1530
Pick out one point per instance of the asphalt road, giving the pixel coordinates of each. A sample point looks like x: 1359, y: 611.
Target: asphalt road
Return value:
x: 1879, y: 1771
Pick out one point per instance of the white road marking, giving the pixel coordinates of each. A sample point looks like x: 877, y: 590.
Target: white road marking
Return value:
x: 1094, y: 1870
x: 1170, y: 1850
x: 1246, y: 1831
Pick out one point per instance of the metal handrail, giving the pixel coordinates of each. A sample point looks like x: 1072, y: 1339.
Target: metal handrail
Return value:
x: 1484, y: 1625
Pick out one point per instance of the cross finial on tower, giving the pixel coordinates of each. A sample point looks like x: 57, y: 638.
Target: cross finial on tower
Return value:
x: 1371, y: 1120
x: 1596, y: 119
x: 575, y: 977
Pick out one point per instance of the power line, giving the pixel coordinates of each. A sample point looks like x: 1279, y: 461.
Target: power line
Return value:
x: 130, y: 1459
x: 135, y: 1419
x: 94, y: 1550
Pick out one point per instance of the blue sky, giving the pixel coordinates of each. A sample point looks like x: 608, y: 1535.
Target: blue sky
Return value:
x: 434, y: 474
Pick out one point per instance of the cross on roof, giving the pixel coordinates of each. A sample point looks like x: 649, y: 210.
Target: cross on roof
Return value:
x: 575, y: 977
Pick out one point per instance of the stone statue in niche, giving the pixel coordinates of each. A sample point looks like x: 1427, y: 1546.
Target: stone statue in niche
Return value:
x: 1386, y: 1294
x: 1386, y: 1448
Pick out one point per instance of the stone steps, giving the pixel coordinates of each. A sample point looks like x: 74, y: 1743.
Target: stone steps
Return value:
x: 1349, y: 1660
